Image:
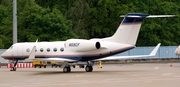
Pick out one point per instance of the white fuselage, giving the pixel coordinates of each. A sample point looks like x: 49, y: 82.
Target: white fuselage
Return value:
x: 64, y: 49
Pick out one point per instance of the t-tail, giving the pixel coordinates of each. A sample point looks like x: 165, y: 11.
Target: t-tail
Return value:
x: 129, y: 28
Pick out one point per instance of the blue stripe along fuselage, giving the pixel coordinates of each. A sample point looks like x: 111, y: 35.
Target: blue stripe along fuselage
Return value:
x: 76, y: 57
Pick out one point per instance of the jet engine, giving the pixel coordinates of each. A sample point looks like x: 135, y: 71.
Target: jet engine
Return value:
x: 177, y: 51
x: 82, y: 45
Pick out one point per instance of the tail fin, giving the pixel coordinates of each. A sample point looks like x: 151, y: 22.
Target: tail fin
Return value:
x: 129, y: 28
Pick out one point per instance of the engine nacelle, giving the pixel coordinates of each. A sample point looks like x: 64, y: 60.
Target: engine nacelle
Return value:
x: 82, y: 45
x: 177, y: 51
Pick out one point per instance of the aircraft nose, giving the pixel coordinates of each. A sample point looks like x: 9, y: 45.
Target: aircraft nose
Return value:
x: 3, y: 55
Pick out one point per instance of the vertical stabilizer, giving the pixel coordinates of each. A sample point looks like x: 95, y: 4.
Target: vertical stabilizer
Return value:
x: 129, y: 28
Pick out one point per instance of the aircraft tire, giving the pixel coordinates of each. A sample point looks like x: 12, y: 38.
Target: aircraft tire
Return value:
x: 65, y: 69
x: 69, y: 69
x: 89, y: 68
x: 13, y: 69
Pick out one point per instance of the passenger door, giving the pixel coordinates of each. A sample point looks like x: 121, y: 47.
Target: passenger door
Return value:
x: 20, y: 51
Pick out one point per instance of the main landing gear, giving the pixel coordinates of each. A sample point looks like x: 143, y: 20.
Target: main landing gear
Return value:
x: 14, y: 65
x: 67, y: 69
x: 89, y: 67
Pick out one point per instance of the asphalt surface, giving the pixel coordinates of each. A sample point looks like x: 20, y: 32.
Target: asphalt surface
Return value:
x: 110, y: 75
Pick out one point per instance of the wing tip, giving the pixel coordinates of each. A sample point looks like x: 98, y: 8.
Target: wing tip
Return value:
x: 153, y: 53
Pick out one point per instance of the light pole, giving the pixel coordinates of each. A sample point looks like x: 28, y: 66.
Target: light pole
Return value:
x: 14, y: 21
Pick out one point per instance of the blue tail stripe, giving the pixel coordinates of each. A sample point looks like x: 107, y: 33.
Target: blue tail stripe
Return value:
x: 132, y: 19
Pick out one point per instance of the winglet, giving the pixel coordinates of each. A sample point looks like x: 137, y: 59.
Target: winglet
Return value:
x: 32, y: 53
x: 153, y: 53
x: 36, y: 40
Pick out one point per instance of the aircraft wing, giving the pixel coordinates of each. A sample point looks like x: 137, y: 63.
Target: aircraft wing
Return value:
x: 56, y: 59
x: 153, y: 53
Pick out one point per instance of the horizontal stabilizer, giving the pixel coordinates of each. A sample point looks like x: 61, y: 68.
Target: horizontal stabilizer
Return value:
x: 160, y: 16
x: 150, y: 16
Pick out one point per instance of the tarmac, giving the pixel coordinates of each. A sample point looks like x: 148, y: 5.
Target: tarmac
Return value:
x: 110, y: 75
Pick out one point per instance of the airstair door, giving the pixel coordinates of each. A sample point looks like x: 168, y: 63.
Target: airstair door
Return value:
x: 20, y: 51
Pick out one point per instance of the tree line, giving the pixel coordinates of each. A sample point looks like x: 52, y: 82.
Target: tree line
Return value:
x: 57, y: 20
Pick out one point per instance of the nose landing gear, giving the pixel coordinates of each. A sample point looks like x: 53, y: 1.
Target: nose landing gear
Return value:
x: 14, y: 65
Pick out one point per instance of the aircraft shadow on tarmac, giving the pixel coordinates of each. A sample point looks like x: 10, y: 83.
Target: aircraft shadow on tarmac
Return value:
x: 94, y: 72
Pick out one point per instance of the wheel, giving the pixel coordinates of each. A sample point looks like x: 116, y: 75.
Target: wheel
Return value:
x: 89, y: 68
x: 74, y: 66
x: 13, y: 69
x: 65, y: 69
x: 40, y: 66
x: 69, y: 69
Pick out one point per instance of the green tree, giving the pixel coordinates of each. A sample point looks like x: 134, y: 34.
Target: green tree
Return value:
x: 103, y: 18
x: 5, y: 26
x: 77, y: 13
x: 50, y: 20
x: 40, y: 23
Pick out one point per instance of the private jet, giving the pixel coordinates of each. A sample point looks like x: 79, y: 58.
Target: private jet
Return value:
x: 82, y: 50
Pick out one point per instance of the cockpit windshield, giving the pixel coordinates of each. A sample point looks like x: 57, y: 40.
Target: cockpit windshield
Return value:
x: 11, y: 47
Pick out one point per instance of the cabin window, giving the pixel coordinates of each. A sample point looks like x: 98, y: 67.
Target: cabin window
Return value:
x: 27, y: 50
x: 41, y: 49
x: 55, y: 49
x: 62, y: 49
x: 48, y: 49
